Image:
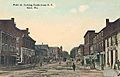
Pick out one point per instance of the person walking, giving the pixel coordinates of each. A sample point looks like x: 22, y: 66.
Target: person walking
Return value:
x: 40, y: 64
x: 74, y: 66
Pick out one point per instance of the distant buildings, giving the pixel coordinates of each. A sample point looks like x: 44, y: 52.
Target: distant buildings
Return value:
x: 42, y: 51
x: 47, y: 53
x: 77, y: 54
x: 74, y: 52
x: 65, y: 55
x: 80, y: 54
x: 55, y: 52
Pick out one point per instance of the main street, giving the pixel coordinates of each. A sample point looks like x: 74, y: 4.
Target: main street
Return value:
x: 53, y: 70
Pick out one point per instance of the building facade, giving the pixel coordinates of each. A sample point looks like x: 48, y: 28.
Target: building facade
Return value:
x: 7, y: 43
x: 88, y: 42
x: 43, y: 52
x: 74, y: 53
x: 55, y: 53
x: 65, y: 56
x: 80, y: 55
x: 27, y: 49
x: 105, y: 47
x: 7, y: 48
x: 12, y: 43
x: 112, y: 43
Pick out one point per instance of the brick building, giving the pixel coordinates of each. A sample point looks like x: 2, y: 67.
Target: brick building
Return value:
x: 106, y: 46
x: 8, y: 53
x: 27, y: 48
x: 88, y: 42
x: 98, y: 49
x: 112, y: 42
x: 12, y: 43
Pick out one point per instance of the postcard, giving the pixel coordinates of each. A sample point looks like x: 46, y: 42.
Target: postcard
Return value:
x: 59, y: 38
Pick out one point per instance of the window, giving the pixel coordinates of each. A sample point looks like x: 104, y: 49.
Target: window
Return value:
x: 3, y: 37
x: 102, y: 33
x: 17, y: 39
x: 102, y: 43
x: 116, y: 39
x: 5, y: 47
x: 107, y: 43
x: 111, y: 41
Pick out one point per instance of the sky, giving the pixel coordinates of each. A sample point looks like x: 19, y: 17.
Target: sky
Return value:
x: 63, y: 24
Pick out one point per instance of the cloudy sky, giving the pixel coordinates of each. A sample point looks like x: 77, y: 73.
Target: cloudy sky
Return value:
x: 64, y: 23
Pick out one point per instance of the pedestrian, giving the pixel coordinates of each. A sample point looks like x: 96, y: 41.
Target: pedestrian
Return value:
x: 40, y: 64
x: 74, y: 66
x: 82, y: 62
x: 118, y: 65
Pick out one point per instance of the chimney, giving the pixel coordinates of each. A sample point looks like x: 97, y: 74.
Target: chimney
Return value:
x: 12, y: 19
x: 27, y: 29
x: 107, y: 22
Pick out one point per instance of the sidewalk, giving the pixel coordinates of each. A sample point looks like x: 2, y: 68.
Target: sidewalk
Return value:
x: 107, y: 72
x: 17, y: 67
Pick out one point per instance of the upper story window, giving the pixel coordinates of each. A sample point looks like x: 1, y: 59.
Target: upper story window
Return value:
x: 107, y: 42
x: 116, y: 42
x: 102, y: 33
x: 102, y: 43
x: 111, y: 39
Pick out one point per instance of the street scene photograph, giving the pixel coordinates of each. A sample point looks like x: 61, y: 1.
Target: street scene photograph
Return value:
x: 59, y: 38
